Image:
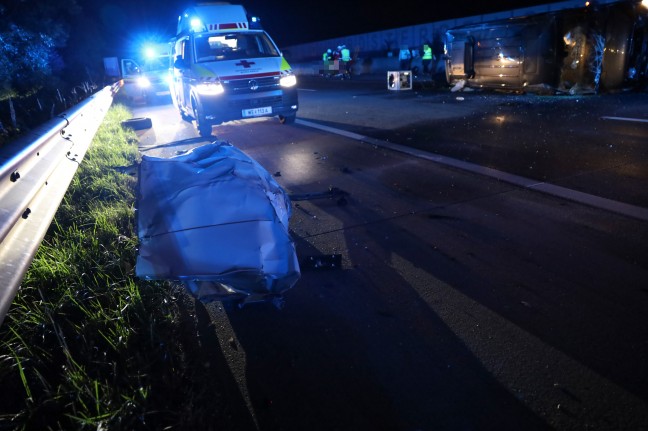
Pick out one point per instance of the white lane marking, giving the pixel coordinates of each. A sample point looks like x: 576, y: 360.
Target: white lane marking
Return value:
x: 527, y: 183
x: 528, y: 367
x: 636, y: 120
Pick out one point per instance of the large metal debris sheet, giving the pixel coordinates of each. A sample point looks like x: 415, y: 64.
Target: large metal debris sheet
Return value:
x: 215, y: 219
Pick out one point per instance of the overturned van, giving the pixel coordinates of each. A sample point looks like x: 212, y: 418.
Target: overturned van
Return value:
x: 226, y: 67
x: 574, y: 50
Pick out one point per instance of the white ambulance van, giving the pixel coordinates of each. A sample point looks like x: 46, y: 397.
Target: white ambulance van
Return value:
x: 227, y: 68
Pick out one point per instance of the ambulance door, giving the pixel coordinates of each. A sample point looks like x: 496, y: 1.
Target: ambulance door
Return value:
x: 130, y: 69
x: 181, y: 70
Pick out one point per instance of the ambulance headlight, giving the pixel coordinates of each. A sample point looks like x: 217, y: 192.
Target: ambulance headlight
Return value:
x: 143, y: 82
x: 288, y: 80
x: 210, y: 88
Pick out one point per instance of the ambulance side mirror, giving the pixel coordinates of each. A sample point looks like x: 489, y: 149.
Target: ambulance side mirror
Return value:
x: 180, y: 64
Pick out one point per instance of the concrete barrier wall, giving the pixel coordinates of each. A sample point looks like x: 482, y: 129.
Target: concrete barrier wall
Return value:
x: 377, y: 52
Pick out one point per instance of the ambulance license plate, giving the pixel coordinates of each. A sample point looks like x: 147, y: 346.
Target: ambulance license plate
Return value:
x: 255, y: 112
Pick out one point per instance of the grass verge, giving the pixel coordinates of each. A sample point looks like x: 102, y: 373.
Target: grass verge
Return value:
x: 87, y: 345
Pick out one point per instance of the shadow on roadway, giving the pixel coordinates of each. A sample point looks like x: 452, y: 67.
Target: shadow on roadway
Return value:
x: 359, y: 349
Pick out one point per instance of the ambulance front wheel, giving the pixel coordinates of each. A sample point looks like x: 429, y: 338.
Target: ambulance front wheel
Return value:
x: 205, y: 130
x: 287, y: 119
x: 185, y: 117
x: 203, y: 126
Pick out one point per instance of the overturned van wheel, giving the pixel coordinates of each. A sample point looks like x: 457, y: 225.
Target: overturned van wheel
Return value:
x: 139, y: 123
x: 287, y: 119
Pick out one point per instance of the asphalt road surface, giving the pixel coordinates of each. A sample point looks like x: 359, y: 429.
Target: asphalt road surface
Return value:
x: 464, y: 301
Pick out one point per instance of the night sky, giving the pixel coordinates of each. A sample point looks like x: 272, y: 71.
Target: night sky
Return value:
x: 292, y: 22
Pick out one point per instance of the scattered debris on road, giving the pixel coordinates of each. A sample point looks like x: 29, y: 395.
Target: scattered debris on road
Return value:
x: 325, y: 261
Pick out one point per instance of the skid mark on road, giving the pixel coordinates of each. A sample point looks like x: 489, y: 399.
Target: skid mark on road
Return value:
x: 527, y: 183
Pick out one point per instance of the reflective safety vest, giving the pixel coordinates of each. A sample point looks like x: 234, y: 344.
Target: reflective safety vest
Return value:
x: 346, y: 54
x: 427, y: 52
x: 325, y: 56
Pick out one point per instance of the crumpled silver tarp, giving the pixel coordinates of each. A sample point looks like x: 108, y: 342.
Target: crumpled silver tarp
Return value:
x: 216, y: 220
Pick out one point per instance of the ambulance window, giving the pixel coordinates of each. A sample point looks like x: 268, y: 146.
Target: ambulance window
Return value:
x: 181, y: 50
x: 213, y: 47
x: 130, y: 67
x: 233, y: 46
x: 265, y: 46
x: 186, y: 52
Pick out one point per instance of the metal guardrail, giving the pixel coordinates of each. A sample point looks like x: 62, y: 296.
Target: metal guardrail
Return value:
x: 35, y: 173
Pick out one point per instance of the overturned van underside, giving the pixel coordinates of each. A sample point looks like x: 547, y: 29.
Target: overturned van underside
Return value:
x: 577, y: 50
x: 215, y: 220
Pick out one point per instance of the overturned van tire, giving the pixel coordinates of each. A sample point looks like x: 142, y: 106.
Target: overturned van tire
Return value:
x: 139, y: 123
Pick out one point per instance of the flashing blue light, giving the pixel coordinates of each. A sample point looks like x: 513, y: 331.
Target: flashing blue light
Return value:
x: 149, y: 52
x: 196, y: 24
x: 255, y: 22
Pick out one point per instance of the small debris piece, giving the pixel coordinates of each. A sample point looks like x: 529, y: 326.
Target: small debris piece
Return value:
x: 331, y: 193
x: 325, y: 261
x: 128, y: 170
x: 232, y: 343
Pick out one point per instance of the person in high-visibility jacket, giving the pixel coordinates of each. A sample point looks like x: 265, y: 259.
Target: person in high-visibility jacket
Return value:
x: 345, y: 56
x: 427, y: 57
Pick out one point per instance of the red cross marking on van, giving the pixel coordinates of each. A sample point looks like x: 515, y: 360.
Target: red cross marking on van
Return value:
x: 245, y: 63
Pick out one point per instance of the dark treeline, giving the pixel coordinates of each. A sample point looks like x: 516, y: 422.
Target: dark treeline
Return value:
x: 50, y: 58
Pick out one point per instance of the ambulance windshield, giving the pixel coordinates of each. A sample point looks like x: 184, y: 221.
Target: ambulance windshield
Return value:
x: 157, y: 63
x: 233, y: 46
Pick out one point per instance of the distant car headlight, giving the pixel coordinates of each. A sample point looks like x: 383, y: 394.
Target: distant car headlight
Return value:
x: 288, y: 81
x: 143, y: 82
x: 210, y: 88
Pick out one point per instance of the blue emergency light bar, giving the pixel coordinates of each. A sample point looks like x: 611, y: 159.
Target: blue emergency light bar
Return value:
x: 255, y: 22
x: 197, y: 25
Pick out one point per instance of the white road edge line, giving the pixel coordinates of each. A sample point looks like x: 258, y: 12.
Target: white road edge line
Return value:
x: 527, y: 183
x: 636, y: 120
